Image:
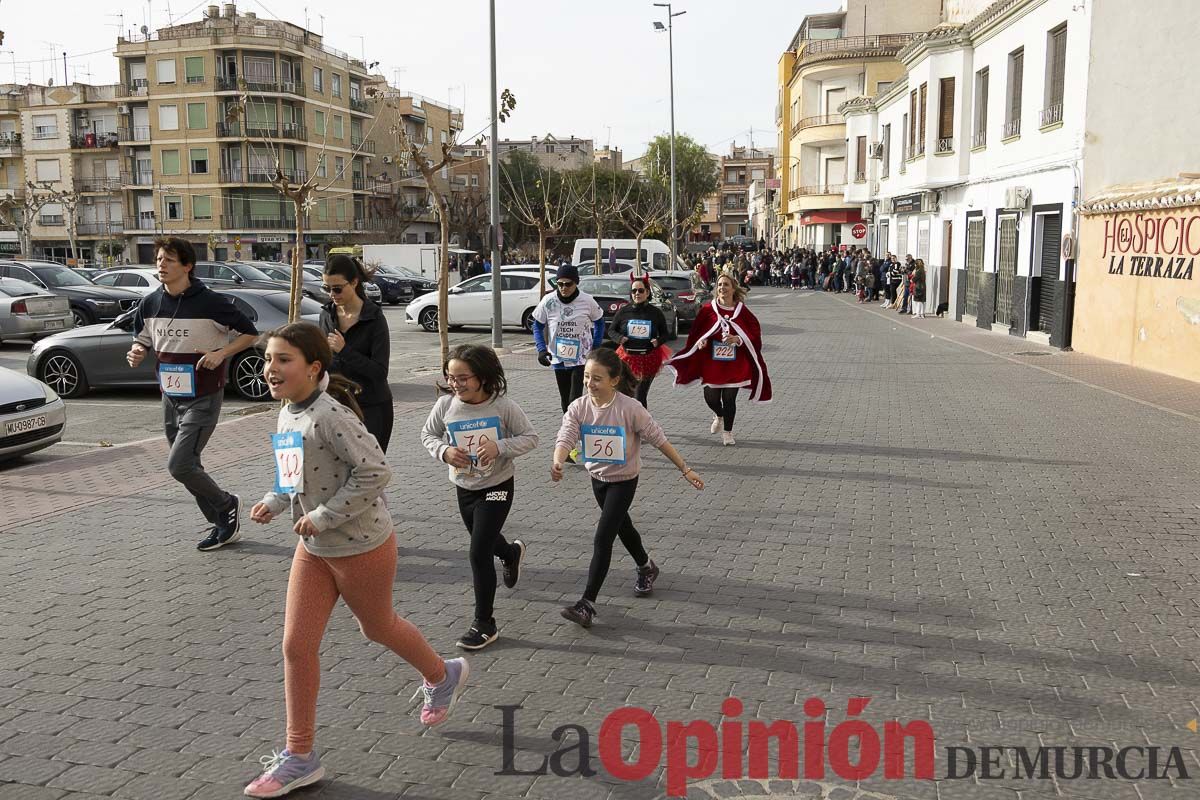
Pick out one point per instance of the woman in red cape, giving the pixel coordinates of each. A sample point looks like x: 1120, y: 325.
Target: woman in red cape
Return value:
x: 724, y: 352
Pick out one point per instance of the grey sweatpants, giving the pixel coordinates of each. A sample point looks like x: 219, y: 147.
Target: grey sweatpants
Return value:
x: 188, y: 423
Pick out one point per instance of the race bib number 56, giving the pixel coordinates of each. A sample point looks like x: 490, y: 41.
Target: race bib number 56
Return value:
x: 604, y: 444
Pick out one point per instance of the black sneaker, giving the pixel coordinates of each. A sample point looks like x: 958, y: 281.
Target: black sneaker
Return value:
x: 479, y: 636
x: 512, y: 569
x: 646, y: 575
x: 227, y: 530
x: 582, y: 613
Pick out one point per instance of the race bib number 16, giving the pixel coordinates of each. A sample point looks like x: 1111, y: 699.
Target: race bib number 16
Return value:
x: 177, y: 380
x: 289, y: 462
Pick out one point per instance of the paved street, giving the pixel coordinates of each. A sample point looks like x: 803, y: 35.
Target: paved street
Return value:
x: 964, y: 527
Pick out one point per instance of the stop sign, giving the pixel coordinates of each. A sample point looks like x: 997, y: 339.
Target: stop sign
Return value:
x: 859, y: 231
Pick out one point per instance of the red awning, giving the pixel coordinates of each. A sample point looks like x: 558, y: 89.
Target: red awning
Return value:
x: 831, y: 216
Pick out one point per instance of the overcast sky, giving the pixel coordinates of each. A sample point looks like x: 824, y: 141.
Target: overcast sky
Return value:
x: 592, y: 69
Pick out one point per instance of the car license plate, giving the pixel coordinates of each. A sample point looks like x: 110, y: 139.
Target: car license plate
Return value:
x: 52, y: 325
x: 24, y: 425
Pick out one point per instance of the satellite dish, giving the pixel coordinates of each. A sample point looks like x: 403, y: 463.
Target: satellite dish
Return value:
x: 145, y: 30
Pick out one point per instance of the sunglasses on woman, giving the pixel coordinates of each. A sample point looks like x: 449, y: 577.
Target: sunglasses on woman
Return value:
x: 637, y: 291
x: 333, y: 289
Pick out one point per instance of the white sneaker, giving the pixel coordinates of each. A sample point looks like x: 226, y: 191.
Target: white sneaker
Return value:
x: 727, y: 438
x: 716, y: 425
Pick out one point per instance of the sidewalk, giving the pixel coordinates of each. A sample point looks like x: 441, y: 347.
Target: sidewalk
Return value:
x: 1001, y: 550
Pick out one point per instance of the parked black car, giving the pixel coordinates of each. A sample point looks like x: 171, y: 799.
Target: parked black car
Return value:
x: 686, y: 290
x: 89, y: 303
x: 399, y: 285
x: 612, y: 291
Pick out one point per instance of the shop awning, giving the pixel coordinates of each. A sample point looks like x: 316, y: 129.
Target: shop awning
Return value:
x: 833, y: 216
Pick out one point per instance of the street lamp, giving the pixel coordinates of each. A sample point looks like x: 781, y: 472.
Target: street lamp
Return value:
x: 658, y: 26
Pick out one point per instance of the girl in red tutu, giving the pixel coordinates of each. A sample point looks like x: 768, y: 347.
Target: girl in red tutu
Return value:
x: 638, y: 330
x: 724, y: 352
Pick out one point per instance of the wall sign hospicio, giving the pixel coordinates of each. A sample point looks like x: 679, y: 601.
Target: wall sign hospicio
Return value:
x: 1153, y: 246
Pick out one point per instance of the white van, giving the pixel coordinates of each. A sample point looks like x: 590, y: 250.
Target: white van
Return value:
x: 655, y: 254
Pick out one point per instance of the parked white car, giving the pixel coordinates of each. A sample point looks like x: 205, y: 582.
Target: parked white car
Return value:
x: 32, y: 416
x: 142, y: 280
x: 470, y: 302
x: 28, y: 312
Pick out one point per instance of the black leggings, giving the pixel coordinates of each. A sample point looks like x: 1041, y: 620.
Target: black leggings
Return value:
x: 570, y: 385
x: 614, y: 500
x: 484, y: 512
x: 723, y: 403
x: 378, y: 418
x: 643, y: 391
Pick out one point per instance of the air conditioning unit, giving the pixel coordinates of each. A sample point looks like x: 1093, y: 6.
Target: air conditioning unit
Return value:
x: 868, y: 210
x: 875, y: 150
x: 387, y: 159
x: 1017, y: 197
x: 929, y: 202
x: 885, y: 206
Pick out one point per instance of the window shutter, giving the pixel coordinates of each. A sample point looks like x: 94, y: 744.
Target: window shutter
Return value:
x: 912, y: 114
x: 921, y: 141
x: 1058, y: 69
x: 862, y: 156
x: 982, y: 102
x: 1014, y: 97
x: 946, y: 106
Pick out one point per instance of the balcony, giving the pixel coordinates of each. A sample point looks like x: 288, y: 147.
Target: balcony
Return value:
x: 138, y: 87
x: 247, y: 222
x: 10, y: 144
x: 362, y: 146
x: 292, y: 130
x: 145, y: 221
x: 362, y: 183
x: 52, y: 220
x: 100, y: 228
x: 860, y: 177
x: 817, y: 189
x: 97, y: 185
x: 1052, y: 114
x: 361, y: 106
x: 137, y: 178
x: 93, y: 141
x: 45, y: 133
x: 979, y: 139
x: 1012, y: 128
x: 945, y: 145
x: 138, y: 133
x: 812, y: 51
x: 821, y: 119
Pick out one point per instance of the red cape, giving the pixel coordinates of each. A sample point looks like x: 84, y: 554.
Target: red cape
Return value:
x: 748, y: 368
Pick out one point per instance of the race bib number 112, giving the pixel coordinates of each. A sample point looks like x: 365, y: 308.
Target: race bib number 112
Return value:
x: 289, y: 462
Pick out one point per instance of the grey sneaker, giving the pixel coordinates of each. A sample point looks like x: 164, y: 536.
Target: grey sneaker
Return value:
x: 283, y: 773
x: 582, y: 613
x: 646, y: 576
x: 440, y: 699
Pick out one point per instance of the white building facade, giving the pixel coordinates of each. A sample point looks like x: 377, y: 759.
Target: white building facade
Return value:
x: 972, y: 161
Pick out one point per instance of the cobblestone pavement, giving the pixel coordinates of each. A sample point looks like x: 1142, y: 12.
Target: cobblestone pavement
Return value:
x: 922, y: 517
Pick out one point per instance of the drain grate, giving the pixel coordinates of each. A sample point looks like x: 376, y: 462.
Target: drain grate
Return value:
x: 1033, y: 353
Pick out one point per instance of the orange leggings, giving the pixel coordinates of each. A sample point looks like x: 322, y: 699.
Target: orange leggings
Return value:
x: 365, y: 582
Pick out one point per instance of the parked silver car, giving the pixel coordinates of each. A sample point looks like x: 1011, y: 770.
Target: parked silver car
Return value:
x: 94, y: 356
x: 27, y: 312
x: 32, y: 416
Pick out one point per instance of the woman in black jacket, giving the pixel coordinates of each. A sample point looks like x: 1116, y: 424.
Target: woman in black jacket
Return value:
x: 358, y: 335
x: 638, y: 330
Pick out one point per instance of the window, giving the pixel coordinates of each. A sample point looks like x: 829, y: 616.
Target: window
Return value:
x: 319, y: 123
x: 48, y: 170
x: 201, y: 207
x: 168, y: 118
x: 475, y: 180
x: 174, y: 204
x: 1056, y: 74
x: 979, y: 139
x: 165, y: 69
x: 921, y: 132
x: 885, y: 168
x: 335, y: 85
x: 341, y: 209
x: 170, y: 162
x: 945, y: 142
x: 318, y: 79
x: 260, y: 69
x: 429, y: 135
x: 261, y: 116
x: 339, y: 167
x: 321, y: 167
x: 905, y: 142
x: 45, y: 126
x: 757, y: 174
x: 193, y: 69
x: 197, y: 116
x: 1016, y: 75
x: 860, y: 169
x: 339, y: 127
x: 912, y: 130
x: 446, y: 140
x: 198, y: 156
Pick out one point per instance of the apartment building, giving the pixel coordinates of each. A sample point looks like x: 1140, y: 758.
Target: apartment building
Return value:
x: 609, y: 157
x: 207, y: 110
x: 832, y: 58
x: 741, y: 167
x: 12, y: 164
x: 556, y: 152
x: 971, y: 160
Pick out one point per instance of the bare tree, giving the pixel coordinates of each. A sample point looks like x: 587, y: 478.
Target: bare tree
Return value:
x: 647, y: 212
x: 468, y: 213
x: 70, y: 203
x: 604, y: 194
x: 19, y: 211
x: 539, y: 197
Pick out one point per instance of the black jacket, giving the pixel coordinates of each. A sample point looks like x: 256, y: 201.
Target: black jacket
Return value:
x: 366, y: 356
x: 620, y: 326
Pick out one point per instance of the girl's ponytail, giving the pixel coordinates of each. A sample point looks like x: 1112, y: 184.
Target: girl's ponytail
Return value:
x: 345, y: 391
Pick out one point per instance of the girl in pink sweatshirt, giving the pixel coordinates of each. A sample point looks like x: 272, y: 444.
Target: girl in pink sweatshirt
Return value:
x: 611, y: 425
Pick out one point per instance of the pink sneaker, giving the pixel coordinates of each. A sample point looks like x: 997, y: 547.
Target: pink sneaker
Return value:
x: 440, y: 699
x: 283, y: 773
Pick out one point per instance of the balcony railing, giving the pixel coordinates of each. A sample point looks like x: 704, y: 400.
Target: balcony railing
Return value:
x: 97, y: 184
x: 821, y: 119
x: 945, y: 145
x: 362, y: 183
x: 11, y: 141
x: 1052, y: 114
x: 226, y: 83
x: 362, y: 146
x: 292, y: 130
x: 99, y: 228
x: 45, y: 133
x: 194, y: 79
x: 145, y: 221
x: 137, y: 178
x: 246, y: 221
x: 138, y: 133
x: 93, y: 141
x: 138, y: 87
x: 1012, y: 128
x: 979, y: 139
x: 51, y: 220
x: 860, y: 177
x: 828, y: 188
x: 851, y: 47
x: 359, y: 105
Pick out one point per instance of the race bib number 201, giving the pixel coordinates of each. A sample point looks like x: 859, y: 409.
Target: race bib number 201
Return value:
x: 289, y: 462
x: 177, y: 380
x: 604, y: 444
